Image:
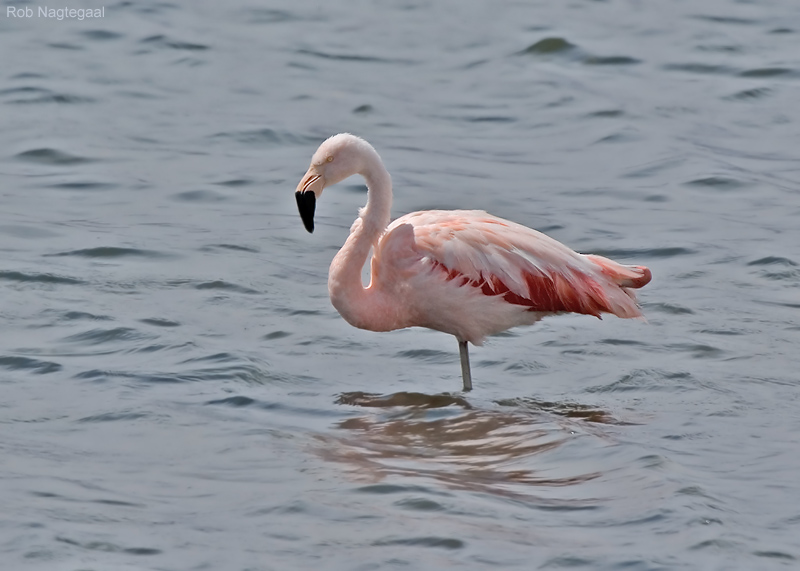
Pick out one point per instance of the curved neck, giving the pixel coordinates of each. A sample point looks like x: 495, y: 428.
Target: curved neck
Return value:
x: 360, y: 306
x: 375, y: 215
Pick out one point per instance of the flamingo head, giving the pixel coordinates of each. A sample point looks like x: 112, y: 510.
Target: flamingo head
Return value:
x: 336, y: 159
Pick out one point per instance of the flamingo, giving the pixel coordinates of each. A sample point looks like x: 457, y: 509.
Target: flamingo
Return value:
x: 463, y: 272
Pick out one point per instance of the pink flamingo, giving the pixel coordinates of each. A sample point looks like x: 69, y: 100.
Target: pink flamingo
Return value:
x: 463, y: 272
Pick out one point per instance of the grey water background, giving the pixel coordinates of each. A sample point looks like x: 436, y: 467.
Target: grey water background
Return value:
x: 178, y: 392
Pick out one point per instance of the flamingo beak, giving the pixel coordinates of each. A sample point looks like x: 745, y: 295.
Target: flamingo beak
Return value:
x: 306, y: 204
x: 306, y: 195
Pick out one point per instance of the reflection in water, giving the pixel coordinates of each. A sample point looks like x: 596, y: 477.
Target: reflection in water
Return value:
x: 501, y: 451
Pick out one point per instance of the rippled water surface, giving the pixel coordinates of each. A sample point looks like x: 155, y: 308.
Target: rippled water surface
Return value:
x: 178, y: 392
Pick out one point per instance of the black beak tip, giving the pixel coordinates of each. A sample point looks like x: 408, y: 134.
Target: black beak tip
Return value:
x: 306, y: 204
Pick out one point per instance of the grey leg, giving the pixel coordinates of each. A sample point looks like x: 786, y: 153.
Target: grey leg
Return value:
x: 465, y: 373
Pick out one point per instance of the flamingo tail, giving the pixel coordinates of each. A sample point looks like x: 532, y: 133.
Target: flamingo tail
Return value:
x: 625, y: 276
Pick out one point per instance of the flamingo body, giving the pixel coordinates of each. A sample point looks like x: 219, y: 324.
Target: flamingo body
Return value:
x: 463, y: 272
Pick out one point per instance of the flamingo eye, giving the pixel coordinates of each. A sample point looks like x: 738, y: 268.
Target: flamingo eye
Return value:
x: 329, y: 159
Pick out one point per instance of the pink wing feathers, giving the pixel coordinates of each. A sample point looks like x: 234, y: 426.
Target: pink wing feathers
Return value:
x: 501, y: 258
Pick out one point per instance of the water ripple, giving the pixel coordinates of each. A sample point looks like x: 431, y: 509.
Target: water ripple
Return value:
x: 352, y: 57
x: 236, y: 401
x: 84, y: 185
x: 552, y: 45
x: 108, y: 547
x: 770, y: 72
x: 701, y: 68
x: 38, y: 278
x: 25, y: 363
x: 648, y: 380
x: 47, y: 156
x: 750, y: 94
x: 645, y: 253
x: 80, y: 315
x: 112, y: 252
x: 160, y: 322
x: 773, y: 261
x: 35, y: 95
x: 611, y: 60
x: 100, y: 336
x: 718, y: 183
x: 162, y: 41
x: 113, y: 417
x: 247, y: 371
x: 429, y: 355
x: 200, y: 196
x: 401, y: 399
x: 428, y: 541
x: 726, y: 20
x: 670, y: 308
x: 265, y: 136
x: 259, y: 15
x: 557, y: 46
x: 222, y: 285
x: 101, y: 35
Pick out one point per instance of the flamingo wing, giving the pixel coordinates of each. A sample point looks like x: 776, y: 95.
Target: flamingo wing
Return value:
x: 475, y: 249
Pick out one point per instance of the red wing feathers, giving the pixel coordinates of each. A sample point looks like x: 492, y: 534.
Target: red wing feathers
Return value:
x: 525, y: 267
x: 546, y: 293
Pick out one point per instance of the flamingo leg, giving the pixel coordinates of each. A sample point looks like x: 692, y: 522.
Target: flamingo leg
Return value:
x: 465, y: 372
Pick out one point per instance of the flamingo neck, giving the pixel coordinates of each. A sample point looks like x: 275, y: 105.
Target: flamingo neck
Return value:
x: 363, y: 307
x: 375, y: 215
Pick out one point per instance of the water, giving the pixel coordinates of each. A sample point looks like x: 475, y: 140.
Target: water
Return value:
x: 178, y: 392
